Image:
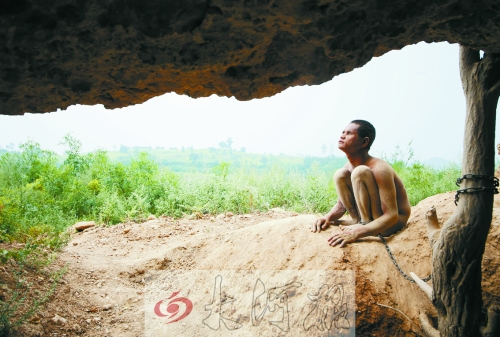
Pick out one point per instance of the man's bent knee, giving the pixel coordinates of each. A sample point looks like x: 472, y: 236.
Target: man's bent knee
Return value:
x: 361, y: 172
x: 342, y: 173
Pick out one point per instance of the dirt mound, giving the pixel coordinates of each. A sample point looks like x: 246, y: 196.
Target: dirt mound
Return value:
x: 104, y: 291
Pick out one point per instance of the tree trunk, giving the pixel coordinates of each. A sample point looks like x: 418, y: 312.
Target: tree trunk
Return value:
x: 458, y: 253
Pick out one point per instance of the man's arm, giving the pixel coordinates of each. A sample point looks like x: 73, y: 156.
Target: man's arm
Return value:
x: 337, y: 211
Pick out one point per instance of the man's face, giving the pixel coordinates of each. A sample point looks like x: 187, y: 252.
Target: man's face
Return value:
x: 349, y: 139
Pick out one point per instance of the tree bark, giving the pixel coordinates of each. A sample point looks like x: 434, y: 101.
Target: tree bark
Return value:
x: 458, y: 252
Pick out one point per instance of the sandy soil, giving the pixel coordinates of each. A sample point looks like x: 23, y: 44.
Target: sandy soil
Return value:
x: 103, y: 292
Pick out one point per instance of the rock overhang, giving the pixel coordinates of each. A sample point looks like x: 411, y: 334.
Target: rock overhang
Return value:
x: 122, y: 52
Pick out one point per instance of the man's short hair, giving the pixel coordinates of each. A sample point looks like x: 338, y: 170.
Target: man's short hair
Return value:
x: 365, y: 129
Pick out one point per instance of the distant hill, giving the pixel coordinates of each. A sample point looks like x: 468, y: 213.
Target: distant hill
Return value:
x: 196, y: 160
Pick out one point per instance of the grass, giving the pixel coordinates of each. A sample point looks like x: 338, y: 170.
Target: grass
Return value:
x: 40, y: 196
x: 22, y: 291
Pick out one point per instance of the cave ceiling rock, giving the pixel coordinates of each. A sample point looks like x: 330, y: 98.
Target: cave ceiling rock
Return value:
x: 122, y: 52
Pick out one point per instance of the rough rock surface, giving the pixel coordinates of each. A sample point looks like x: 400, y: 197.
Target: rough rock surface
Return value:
x: 122, y: 52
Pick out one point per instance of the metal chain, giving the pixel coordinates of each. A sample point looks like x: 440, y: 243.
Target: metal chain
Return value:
x: 396, y: 264
x: 473, y: 190
x: 494, y: 181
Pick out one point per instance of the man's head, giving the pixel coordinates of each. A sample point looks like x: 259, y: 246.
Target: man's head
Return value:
x: 365, y: 129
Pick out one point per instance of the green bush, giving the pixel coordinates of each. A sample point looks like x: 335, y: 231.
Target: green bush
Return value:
x: 111, y: 208
x: 42, y: 195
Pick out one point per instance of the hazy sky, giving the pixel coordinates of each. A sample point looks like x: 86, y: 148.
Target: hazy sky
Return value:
x: 412, y: 95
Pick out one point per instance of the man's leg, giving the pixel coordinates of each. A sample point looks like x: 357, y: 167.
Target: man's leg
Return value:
x: 368, y: 198
x: 366, y: 194
x: 343, y: 184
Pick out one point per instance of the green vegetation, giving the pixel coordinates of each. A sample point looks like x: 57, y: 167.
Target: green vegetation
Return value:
x: 422, y: 181
x: 40, y: 195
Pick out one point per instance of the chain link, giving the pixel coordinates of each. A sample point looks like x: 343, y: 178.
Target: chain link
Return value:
x: 396, y: 264
x: 473, y: 190
x: 494, y: 181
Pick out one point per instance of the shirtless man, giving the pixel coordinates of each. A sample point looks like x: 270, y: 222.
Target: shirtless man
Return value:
x: 368, y: 188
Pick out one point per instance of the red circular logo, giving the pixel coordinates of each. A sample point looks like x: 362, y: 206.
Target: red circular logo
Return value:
x: 176, y: 309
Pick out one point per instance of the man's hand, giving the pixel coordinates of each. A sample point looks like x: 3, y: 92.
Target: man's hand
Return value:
x: 321, y: 223
x: 347, y: 235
